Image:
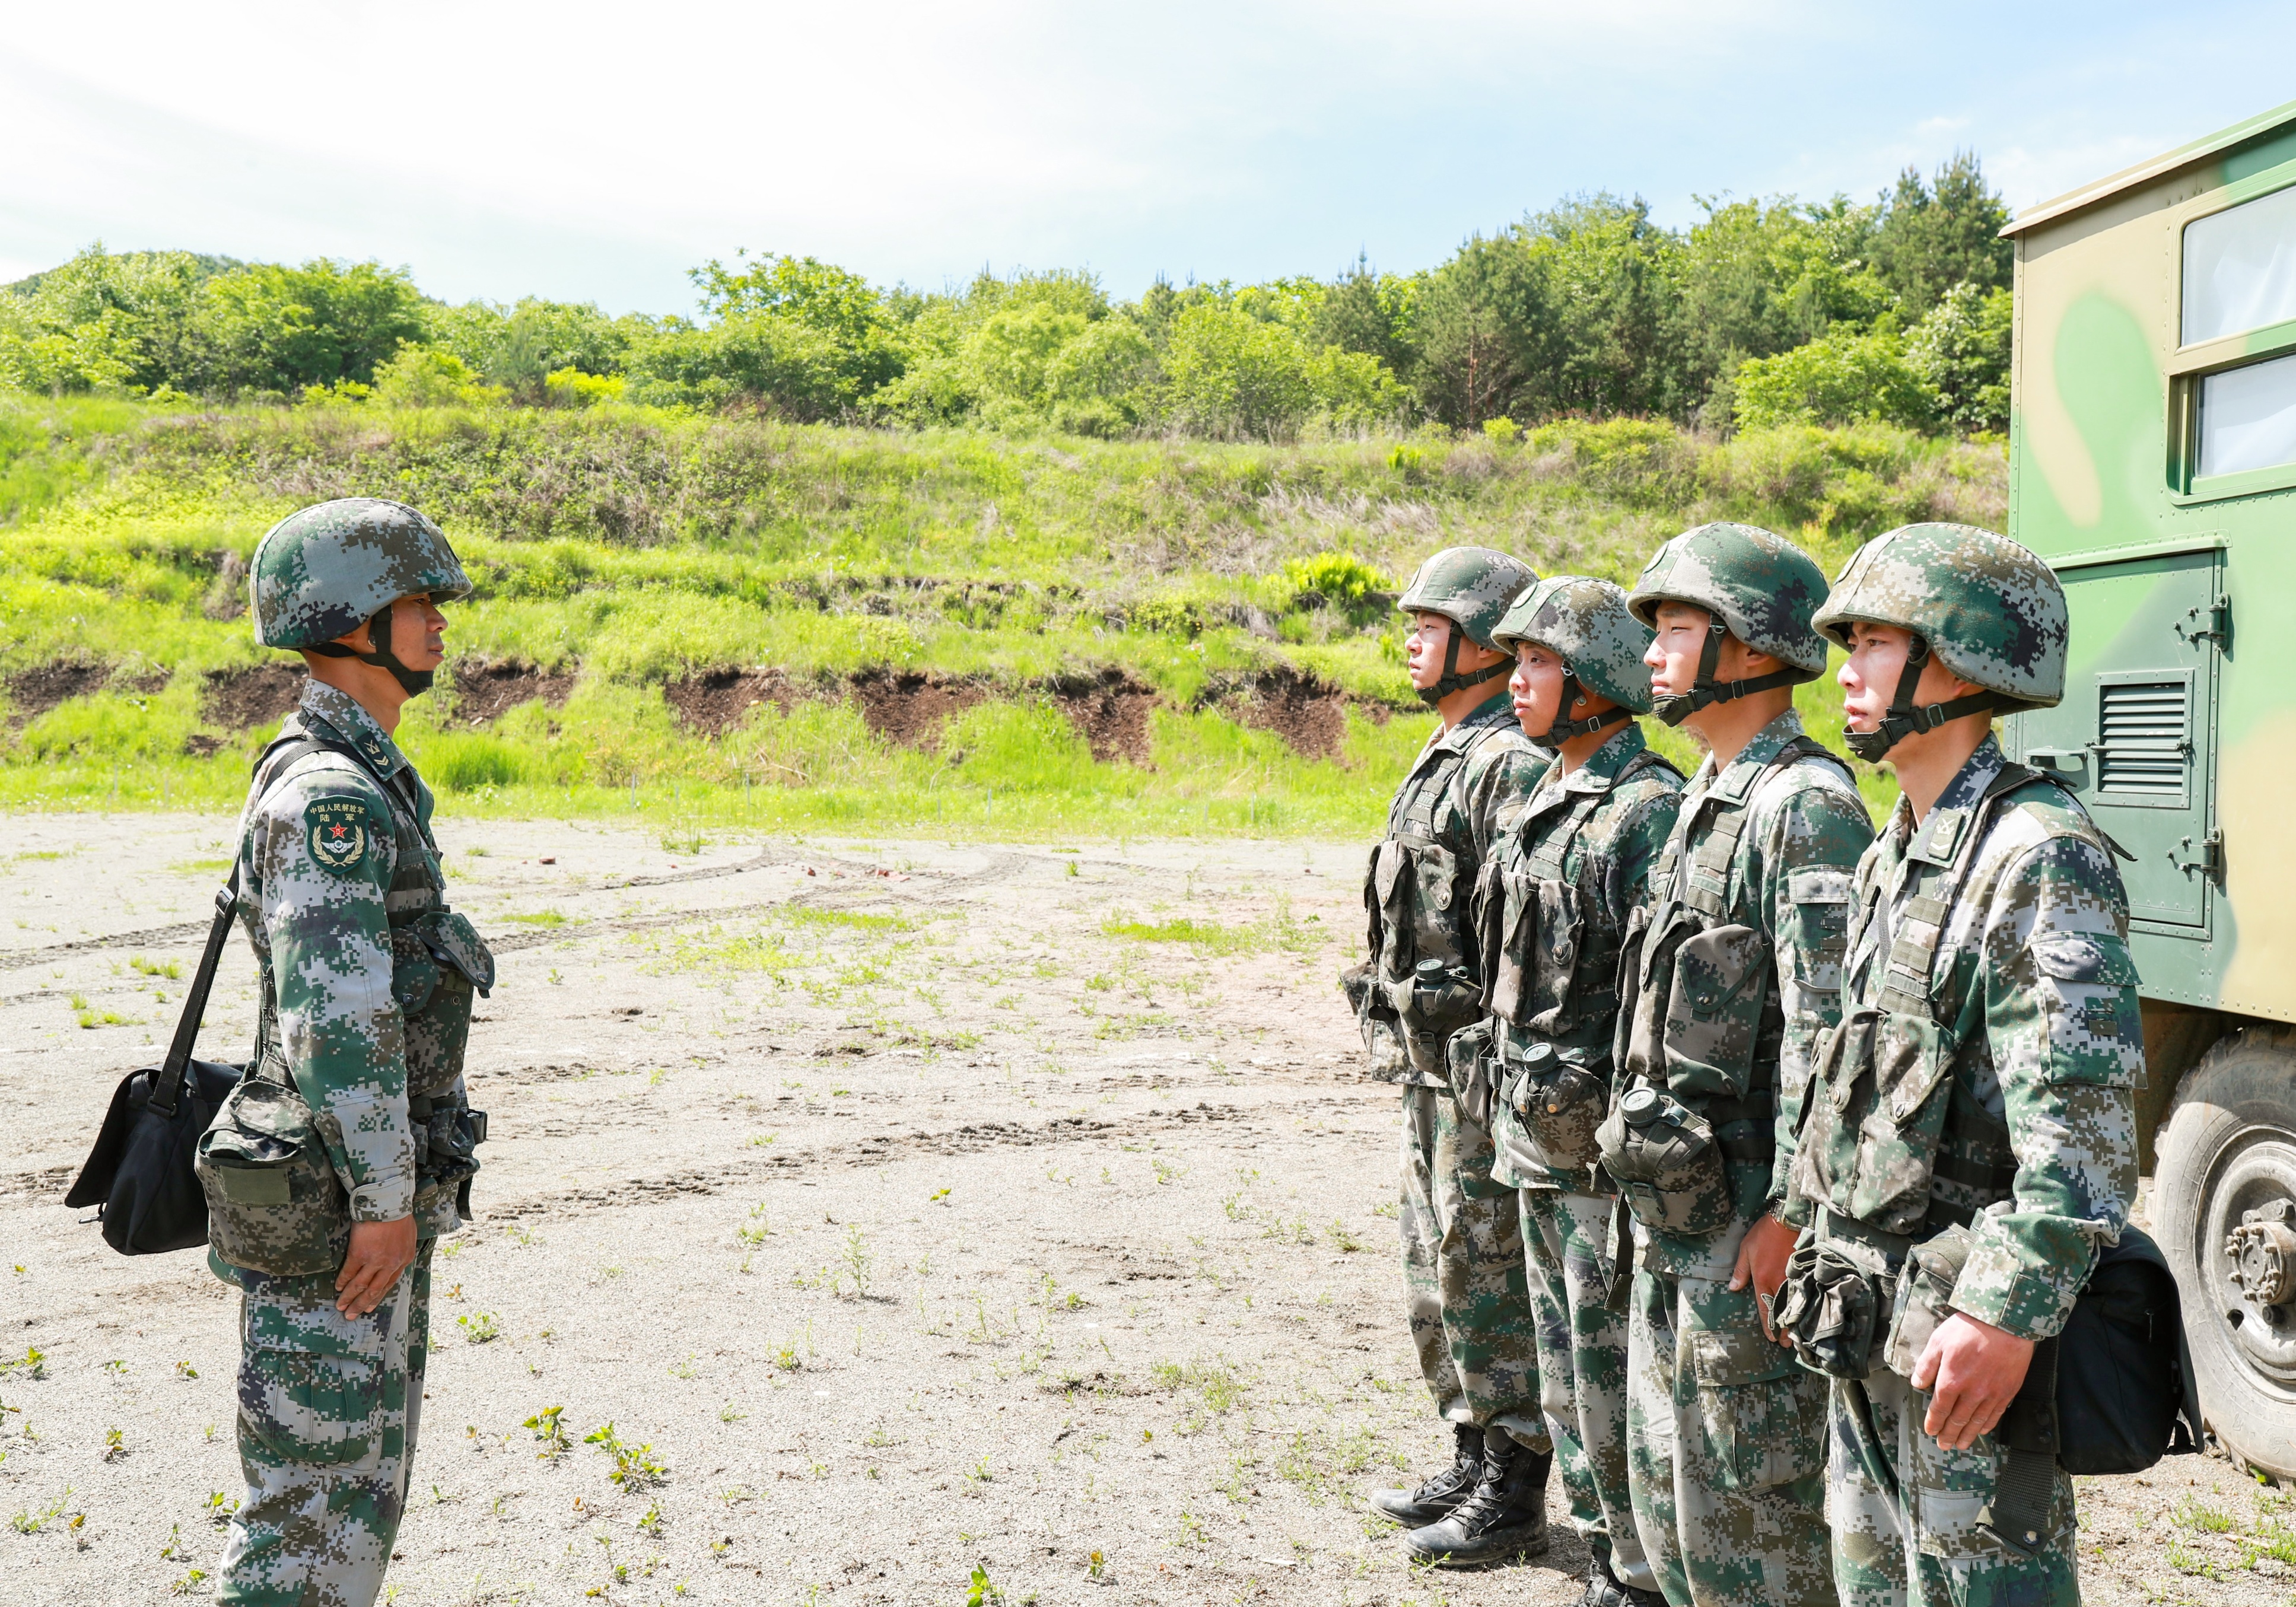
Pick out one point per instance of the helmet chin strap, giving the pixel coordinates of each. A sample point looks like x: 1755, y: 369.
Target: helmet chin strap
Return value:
x: 1675, y: 707
x: 416, y: 682
x: 1456, y: 680
x: 1904, y: 718
x: 1564, y: 729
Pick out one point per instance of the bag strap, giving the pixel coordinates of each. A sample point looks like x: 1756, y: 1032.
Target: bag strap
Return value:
x: 175, y: 1071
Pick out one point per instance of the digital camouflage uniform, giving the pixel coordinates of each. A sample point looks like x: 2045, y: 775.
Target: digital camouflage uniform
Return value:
x: 1730, y: 980
x: 1567, y: 879
x: 1469, y: 1313
x: 1553, y: 907
x: 1981, y: 1090
x: 367, y: 980
x: 1463, y: 1267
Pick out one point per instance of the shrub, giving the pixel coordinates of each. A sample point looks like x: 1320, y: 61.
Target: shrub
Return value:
x: 571, y: 387
x: 1840, y: 379
x: 423, y: 376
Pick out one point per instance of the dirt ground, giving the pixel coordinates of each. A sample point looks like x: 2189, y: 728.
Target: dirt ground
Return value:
x: 934, y: 1213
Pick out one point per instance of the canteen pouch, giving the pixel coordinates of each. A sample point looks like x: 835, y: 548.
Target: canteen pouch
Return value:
x: 1561, y: 1104
x: 1470, y: 1056
x: 1830, y: 1307
x: 1667, y: 1164
x: 274, y: 1203
x: 1925, y: 1297
x: 1714, y: 1010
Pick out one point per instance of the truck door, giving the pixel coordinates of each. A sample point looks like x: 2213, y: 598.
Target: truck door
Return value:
x: 2136, y: 734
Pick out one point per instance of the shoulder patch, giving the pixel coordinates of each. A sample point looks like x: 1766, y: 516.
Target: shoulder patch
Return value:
x: 336, y: 831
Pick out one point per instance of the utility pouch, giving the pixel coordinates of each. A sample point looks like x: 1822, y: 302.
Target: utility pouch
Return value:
x: 1664, y: 1159
x: 438, y: 964
x: 1714, y: 1010
x: 1384, y: 1060
x: 1560, y: 1104
x: 1468, y: 1054
x: 1925, y: 1297
x: 1830, y: 1306
x: 274, y: 1204
x: 1444, y: 999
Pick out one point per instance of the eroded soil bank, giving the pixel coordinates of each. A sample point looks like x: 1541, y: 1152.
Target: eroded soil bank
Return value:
x: 923, y: 1207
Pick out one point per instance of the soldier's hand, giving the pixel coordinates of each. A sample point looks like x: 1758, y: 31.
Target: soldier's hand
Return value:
x: 380, y: 1252
x: 1762, y: 1262
x: 1975, y: 1369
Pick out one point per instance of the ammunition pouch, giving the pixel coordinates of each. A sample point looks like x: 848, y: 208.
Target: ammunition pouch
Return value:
x: 1831, y: 1308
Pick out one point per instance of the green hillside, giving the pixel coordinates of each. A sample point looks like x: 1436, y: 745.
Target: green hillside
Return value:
x: 708, y: 621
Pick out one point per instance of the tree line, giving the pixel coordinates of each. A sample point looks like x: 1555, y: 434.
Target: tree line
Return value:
x: 1763, y: 312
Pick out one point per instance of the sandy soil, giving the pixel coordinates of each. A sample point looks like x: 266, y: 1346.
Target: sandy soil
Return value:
x: 919, y: 1218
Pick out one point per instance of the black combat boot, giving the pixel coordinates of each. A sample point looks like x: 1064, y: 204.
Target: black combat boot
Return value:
x: 1603, y: 1588
x: 1442, y: 1491
x: 1503, y: 1519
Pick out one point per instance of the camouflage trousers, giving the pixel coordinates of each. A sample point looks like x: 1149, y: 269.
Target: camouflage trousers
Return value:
x: 328, y: 1409
x: 1582, y: 1369
x: 1724, y: 1447
x: 1946, y: 1559
x: 1462, y: 1273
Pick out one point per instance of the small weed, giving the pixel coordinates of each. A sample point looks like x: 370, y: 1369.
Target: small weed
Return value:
x: 479, y: 1328
x: 684, y: 1369
x: 541, y: 917
x: 168, y: 968
x: 1338, y: 1234
x: 32, y: 1363
x: 729, y: 1414
x: 220, y: 1507
x: 1166, y: 1173
x: 115, y: 1445
x: 634, y: 1466
x: 981, y: 1593
x: 189, y: 1583
x: 550, y: 1431
x: 28, y: 1522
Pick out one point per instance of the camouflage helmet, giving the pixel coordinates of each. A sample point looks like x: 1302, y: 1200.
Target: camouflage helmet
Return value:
x: 323, y: 570
x: 1472, y: 587
x: 1762, y: 588
x: 1992, y: 613
x: 1586, y: 622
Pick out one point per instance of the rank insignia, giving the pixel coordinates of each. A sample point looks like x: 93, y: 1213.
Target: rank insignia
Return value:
x: 336, y: 829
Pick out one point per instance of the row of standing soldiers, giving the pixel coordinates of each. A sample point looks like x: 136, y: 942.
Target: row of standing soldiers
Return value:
x: 1691, y: 1069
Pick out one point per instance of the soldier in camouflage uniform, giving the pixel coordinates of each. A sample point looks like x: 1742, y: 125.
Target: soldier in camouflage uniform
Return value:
x: 1469, y: 1310
x: 367, y: 982
x: 1973, y: 1114
x: 1729, y: 977
x: 1553, y: 909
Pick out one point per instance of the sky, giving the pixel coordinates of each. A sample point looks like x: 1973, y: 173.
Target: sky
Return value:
x: 595, y: 153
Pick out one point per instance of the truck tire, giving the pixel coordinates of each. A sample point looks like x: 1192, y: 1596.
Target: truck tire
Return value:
x: 2228, y: 1150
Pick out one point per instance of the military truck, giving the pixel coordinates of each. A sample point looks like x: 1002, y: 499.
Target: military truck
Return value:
x: 2152, y: 463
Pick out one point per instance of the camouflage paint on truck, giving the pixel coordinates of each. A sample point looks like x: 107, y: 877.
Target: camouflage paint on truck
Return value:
x: 2152, y: 463
x: 2184, y: 747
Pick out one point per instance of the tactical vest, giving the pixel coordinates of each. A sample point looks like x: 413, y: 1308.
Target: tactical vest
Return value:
x: 1885, y: 1121
x: 1424, y: 969
x: 1700, y: 1035
x: 1548, y: 978
x: 439, y: 964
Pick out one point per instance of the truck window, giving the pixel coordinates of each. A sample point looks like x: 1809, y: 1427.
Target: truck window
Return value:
x: 2240, y: 267
x: 2248, y: 418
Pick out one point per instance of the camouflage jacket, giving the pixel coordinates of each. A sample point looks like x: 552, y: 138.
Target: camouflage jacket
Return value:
x: 1554, y: 903
x: 1787, y: 878
x: 319, y: 862
x: 2025, y: 1029
x: 1464, y: 791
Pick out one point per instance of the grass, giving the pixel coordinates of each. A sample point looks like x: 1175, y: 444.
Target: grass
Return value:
x: 628, y: 549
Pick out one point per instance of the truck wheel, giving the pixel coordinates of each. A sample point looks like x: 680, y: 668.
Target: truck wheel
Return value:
x: 2223, y: 1202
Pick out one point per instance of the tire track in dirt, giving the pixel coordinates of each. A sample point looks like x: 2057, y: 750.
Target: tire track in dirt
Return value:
x: 875, y: 1149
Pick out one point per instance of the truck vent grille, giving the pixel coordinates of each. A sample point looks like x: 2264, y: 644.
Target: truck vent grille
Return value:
x: 2143, y: 749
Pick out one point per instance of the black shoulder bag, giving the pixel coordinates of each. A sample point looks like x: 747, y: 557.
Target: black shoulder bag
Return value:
x: 139, y: 1174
